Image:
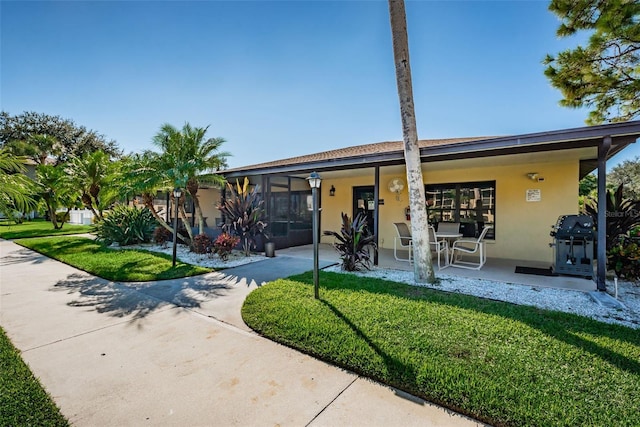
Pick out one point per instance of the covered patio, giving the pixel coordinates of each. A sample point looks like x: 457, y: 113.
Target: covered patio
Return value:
x: 518, y: 185
x: 497, y: 269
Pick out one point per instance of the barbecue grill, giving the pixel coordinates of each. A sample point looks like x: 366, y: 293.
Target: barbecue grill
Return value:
x: 574, y: 237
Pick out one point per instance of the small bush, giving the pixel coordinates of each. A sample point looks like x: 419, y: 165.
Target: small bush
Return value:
x: 161, y: 236
x: 201, y: 244
x: 126, y: 225
x: 224, y: 244
x: 624, y: 258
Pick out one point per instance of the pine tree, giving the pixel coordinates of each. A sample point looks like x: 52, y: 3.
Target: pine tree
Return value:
x: 604, y: 75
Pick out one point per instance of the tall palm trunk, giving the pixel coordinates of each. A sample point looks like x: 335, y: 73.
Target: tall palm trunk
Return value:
x: 192, y: 188
x: 423, y: 268
x: 187, y: 226
x: 87, y: 201
x: 147, y: 200
x: 52, y: 213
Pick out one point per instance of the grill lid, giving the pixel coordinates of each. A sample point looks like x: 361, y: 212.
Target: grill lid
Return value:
x: 577, y: 226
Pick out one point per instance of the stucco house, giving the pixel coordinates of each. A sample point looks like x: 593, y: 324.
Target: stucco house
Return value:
x: 518, y: 184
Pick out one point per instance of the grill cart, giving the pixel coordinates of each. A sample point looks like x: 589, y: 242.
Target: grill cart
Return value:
x: 574, y: 237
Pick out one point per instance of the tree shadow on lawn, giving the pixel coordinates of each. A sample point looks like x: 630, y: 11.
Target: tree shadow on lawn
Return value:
x: 395, y: 366
x: 564, y: 327
x: 142, y: 298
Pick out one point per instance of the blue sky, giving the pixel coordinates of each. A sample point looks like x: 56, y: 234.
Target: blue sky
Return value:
x: 279, y: 79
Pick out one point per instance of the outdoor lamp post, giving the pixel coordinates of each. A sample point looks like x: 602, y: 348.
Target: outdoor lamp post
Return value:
x: 314, y: 182
x: 176, y: 198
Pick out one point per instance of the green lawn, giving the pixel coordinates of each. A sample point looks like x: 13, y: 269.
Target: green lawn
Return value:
x: 38, y: 228
x: 504, y: 364
x: 111, y: 264
x: 23, y: 401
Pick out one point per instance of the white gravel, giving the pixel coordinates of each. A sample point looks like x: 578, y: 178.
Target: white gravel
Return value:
x: 568, y: 301
x: 236, y: 258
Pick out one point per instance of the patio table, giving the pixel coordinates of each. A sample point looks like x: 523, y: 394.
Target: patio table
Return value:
x: 448, y: 236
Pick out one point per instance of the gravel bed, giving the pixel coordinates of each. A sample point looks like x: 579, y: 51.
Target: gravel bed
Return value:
x: 236, y: 258
x: 569, y: 301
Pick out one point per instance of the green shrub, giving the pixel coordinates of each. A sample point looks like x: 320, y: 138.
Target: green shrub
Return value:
x: 635, y: 231
x: 126, y: 225
x: 161, y: 236
x: 624, y: 258
x: 353, y: 243
x: 224, y: 244
x: 201, y: 244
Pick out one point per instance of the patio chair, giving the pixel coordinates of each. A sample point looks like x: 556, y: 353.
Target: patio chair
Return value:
x: 469, y: 247
x: 448, y: 227
x: 439, y: 246
x: 404, y: 240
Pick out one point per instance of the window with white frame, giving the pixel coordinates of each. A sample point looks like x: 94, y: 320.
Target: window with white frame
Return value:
x: 472, y: 204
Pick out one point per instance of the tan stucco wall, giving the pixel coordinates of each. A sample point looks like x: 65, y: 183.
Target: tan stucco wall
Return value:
x: 209, y: 199
x: 522, y: 228
x: 332, y: 207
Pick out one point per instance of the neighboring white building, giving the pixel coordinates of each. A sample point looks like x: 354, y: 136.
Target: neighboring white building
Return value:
x: 81, y: 216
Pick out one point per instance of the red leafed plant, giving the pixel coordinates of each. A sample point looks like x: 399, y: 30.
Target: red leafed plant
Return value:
x: 224, y: 244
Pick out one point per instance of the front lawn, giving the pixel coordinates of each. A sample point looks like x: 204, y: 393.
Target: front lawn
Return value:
x: 38, y: 228
x: 111, y: 264
x: 23, y: 401
x: 501, y: 363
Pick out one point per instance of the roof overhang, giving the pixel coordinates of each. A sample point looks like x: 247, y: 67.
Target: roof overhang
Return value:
x: 622, y: 134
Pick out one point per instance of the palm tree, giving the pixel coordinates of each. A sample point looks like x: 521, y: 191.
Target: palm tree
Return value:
x: 140, y: 176
x: 17, y: 189
x: 56, y: 189
x: 423, y: 268
x: 92, y: 175
x: 189, y: 159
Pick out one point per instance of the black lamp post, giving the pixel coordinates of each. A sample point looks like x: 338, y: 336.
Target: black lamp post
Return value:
x: 314, y: 182
x: 177, y: 193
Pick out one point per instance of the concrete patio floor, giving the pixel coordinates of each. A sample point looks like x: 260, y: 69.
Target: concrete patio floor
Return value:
x: 501, y: 270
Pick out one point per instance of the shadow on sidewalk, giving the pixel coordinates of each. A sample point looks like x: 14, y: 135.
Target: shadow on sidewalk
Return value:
x: 23, y: 256
x: 141, y: 299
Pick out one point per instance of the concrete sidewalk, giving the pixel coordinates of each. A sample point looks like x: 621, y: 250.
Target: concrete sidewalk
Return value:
x: 178, y: 353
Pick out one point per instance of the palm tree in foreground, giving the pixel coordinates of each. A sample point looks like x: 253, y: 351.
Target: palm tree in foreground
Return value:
x: 423, y: 268
x: 17, y: 188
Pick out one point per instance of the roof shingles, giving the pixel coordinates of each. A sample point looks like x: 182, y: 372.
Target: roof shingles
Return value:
x: 355, y: 151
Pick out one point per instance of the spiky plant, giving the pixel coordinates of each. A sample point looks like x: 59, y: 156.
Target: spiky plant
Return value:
x: 244, y: 214
x: 354, y: 243
x: 125, y: 225
x: 622, y: 215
